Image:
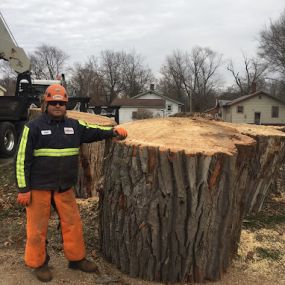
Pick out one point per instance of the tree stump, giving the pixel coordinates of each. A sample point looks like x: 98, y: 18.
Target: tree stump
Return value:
x: 91, y: 155
x: 176, y: 191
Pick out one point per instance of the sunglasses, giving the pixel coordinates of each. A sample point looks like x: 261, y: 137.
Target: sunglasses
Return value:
x: 54, y: 103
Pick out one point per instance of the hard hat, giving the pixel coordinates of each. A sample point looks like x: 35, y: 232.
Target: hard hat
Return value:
x: 55, y: 92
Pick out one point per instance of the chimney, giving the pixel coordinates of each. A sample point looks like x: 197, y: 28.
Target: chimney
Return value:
x: 253, y: 87
x: 151, y: 87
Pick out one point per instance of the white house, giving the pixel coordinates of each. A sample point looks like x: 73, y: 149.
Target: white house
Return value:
x: 2, y: 90
x: 171, y: 106
x: 132, y: 109
x: 145, y: 105
x: 258, y: 108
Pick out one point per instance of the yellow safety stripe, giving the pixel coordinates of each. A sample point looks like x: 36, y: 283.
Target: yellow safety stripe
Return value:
x: 56, y: 152
x: 20, y: 164
x: 93, y: 126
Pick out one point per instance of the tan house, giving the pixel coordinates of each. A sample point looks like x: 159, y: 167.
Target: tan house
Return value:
x: 258, y: 108
x: 2, y: 90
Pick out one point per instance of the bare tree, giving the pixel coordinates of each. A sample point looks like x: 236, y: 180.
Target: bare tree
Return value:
x: 110, y: 75
x: 272, y: 44
x: 275, y: 87
x: 123, y: 73
x: 194, y: 73
x: 87, y: 81
x: 112, y: 71
x: 171, y: 83
x: 253, y: 73
x: 172, y: 90
x: 48, y: 62
x: 136, y: 75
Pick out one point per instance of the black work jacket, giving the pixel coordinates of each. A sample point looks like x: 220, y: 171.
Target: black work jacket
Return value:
x: 48, y: 151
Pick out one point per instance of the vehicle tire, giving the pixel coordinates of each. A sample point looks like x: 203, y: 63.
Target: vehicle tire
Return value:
x: 8, y: 139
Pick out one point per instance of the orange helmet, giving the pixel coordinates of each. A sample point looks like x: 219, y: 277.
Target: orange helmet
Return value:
x: 55, y: 92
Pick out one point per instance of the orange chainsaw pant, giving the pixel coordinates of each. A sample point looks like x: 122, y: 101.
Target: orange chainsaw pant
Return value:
x: 38, y: 214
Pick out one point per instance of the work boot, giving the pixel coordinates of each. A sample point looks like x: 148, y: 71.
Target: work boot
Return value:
x: 83, y: 265
x: 43, y: 273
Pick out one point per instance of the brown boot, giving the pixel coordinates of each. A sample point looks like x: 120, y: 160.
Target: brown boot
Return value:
x: 43, y: 273
x: 83, y: 265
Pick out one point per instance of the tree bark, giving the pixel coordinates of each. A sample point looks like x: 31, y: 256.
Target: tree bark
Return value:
x: 176, y: 191
x: 90, y: 169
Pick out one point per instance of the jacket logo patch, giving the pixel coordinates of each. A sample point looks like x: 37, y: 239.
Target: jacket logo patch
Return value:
x: 69, y: 131
x: 46, y: 132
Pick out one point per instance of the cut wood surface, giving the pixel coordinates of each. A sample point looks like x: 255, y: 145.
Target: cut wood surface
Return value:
x: 195, y: 135
x: 91, y: 118
x: 176, y: 192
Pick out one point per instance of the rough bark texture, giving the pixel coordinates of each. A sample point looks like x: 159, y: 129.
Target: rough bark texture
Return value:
x: 91, y: 155
x: 90, y: 169
x: 175, y: 194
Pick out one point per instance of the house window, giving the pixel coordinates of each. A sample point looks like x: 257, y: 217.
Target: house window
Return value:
x: 169, y: 107
x: 239, y: 109
x: 275, y: 112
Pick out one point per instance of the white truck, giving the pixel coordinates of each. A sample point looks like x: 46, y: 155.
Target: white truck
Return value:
x: 14, y: 109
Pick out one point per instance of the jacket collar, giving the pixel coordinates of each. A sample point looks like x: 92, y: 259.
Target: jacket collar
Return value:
x: 47, y: 118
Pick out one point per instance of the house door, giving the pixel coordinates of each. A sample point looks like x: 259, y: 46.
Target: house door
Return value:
x: 257, y: 118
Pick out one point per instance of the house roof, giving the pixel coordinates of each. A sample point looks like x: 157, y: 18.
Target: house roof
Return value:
x: 243, y: 98
x: 158, y: 94
x: 142, y: 103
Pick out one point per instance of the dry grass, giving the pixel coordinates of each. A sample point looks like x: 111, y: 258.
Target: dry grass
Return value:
x: 262, y: 243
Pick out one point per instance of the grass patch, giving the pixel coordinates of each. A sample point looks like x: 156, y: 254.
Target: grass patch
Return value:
x: 271, y: 254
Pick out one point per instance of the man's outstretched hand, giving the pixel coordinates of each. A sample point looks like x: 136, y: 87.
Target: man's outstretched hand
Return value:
x: 24, y: 198
x: 120, y: 133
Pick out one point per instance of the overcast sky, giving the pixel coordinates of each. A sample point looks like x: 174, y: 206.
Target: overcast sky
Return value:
x: 153, y: 28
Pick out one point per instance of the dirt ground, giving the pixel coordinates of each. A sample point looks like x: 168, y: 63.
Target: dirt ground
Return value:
x: 260, y: 260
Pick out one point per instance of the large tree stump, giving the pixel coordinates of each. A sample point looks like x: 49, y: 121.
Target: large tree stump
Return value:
x: 176, y: 191
x: 91, y: 155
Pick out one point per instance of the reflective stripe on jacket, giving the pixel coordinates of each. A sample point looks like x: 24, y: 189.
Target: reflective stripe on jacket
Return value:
x: 48, y: 152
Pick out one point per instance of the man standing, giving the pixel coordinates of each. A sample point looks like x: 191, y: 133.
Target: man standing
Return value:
x: 46, y: 171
